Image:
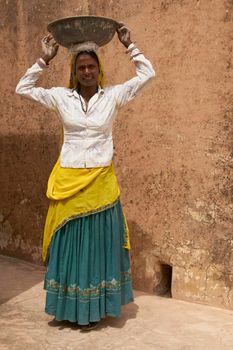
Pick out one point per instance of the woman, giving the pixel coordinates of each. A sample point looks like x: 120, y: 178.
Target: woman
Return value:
x: 86, y: 241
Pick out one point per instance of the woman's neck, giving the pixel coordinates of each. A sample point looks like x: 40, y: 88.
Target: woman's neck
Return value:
x: 87, y: 92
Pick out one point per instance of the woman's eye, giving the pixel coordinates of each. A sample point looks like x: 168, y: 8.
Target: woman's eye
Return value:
x: 82, y: 68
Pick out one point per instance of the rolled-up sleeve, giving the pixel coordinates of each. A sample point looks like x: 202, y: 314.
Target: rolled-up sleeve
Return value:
x: 27, y: 88
x: 144, y: 73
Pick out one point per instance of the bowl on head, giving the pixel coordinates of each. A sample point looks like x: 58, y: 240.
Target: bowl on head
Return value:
x: 69, y: 31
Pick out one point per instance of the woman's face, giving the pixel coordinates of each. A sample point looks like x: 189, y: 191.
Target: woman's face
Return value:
x: 87, y: 70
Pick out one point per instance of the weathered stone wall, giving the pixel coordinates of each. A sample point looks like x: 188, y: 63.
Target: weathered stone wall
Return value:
x: 29, y: 134
x: 173, y: 143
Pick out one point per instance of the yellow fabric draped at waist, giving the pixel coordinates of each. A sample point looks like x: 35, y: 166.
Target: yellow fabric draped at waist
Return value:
x: 78, y: 192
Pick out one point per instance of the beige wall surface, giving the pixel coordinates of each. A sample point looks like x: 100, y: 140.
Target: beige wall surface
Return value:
x: 173, y: 142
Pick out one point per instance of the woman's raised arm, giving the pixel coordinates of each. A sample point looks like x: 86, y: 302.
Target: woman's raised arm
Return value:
x: 27, y: 84
x: 144, y: 71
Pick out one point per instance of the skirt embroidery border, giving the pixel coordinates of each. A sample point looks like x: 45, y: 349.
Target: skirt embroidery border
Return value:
x: 93, y: 292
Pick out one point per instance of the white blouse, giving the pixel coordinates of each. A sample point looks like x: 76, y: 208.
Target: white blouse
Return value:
x: 87, y: 136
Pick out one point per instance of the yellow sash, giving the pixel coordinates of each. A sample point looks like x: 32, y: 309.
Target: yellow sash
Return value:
x: 78, y: 192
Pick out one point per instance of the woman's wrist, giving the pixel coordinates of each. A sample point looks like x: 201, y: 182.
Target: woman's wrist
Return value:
x: 127, y: 44
x: 46, y: 59
x: 42, y: 63
x: 131, y: 47
x: 133, y: 51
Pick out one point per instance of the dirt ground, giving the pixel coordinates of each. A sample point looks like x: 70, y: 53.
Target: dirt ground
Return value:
x: 149, y: 323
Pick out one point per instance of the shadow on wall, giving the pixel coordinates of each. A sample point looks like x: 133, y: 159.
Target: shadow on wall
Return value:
x: 151, y: 272
x: 26, y: 162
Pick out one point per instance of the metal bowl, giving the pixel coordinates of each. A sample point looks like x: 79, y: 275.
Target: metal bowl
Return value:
x: 75, y: 30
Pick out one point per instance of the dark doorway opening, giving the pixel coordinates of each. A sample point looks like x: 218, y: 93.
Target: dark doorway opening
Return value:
x: 163, y: 288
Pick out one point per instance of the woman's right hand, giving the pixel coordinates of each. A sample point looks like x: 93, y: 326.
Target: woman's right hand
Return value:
x: 49, y: 48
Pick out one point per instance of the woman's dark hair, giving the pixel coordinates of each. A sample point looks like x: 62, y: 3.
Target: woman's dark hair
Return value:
x: 90, y: 53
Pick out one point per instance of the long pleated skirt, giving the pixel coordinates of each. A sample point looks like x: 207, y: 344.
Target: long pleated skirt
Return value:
x: 88, y: 273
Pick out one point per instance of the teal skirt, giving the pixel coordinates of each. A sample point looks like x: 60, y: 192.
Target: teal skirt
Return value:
x: 88, y: 274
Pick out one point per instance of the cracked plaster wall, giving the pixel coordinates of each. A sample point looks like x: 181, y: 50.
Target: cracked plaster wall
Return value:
x: 173, y: 144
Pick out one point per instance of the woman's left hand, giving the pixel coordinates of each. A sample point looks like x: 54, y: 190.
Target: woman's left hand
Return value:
x: 124, y: 35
